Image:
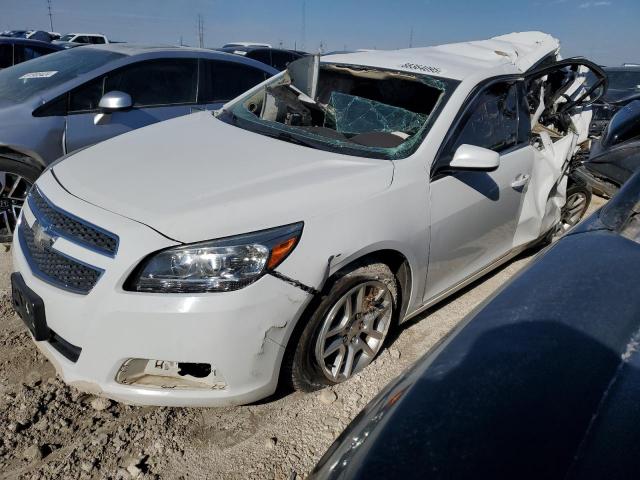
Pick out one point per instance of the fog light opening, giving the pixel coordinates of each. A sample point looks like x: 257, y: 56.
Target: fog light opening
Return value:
x: 169, y: 374
x: 197, y: 370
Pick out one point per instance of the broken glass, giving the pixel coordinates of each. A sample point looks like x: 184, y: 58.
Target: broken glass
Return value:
x: 352, y: 115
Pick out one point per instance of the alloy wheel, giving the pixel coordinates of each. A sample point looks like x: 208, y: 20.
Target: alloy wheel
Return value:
x: 573, y: 210
x: 354, y: 330
x: 13, y: 192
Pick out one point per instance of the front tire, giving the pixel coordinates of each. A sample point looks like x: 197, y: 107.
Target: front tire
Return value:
x: 16, y: 179
x: 347, y: 329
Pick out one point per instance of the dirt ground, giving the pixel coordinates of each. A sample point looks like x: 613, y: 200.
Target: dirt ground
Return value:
x: 54, y: 431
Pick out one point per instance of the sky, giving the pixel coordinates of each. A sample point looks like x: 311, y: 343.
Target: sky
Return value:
x: 604, y: 31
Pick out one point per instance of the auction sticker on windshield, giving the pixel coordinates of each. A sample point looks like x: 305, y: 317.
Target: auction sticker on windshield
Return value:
x: 27, y: 76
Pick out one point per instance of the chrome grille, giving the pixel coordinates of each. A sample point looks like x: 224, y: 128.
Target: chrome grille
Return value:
x: 73, y: 229
x: 54, y: 267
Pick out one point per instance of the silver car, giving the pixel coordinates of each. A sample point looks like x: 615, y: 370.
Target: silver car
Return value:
x: 68, y: 100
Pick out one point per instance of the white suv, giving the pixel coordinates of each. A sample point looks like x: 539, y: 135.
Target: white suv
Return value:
x: 200, y: 260
x: 88, y: 38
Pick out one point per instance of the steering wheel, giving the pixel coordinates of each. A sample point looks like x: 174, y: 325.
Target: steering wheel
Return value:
x: 565, y: 107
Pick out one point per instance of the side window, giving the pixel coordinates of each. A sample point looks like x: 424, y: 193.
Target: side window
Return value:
x: 157, y: 82
x: 264, y: 56
x: 96, y: 40
x: 23, y: 53
x: 281, y: 60
x: 6, y: 55
x: 492, y: 120
x: 18, y: 54
x: 85, y: 98
x: 55, y: 108
x: 223, y: 81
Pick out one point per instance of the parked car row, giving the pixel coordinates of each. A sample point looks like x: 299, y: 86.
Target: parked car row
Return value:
x: 31, y: 34
x: 279, y: 238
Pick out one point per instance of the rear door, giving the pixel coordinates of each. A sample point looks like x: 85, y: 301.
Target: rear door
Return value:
x: 474, y: 214
x: 559, y: 98
x: 160, y: 90
x: 479, y: 217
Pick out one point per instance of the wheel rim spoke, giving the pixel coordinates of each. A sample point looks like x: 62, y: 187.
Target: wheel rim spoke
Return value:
x: 375, y: 334
x: 367, y: 349
x: 358, y: 300
x: 337, y: 364
x: 344, y: 320
x: 348, y: 364
x: 334, y: 347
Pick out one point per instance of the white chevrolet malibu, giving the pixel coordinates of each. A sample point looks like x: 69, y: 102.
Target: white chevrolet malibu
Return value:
x: 202, y: 260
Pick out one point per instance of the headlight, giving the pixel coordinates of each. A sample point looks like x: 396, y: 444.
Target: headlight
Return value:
x: 215, y: 266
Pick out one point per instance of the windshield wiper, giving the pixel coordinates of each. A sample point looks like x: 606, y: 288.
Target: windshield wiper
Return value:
x: 287, y: 137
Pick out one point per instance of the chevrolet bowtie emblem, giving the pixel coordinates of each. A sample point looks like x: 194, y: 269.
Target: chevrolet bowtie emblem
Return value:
x: 42, y: 238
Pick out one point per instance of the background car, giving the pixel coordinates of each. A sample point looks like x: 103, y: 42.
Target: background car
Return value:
x: 15, y: 33
x: 624, y: 87
x: 616, y: 155
x: 71, y: 40
x: 57, y: 104
x: 246, y: 44
x: 276, y: 57
x: 541, y: 382
x: 18, y: 50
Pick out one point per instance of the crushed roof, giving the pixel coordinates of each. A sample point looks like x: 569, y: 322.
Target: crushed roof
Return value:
x: 519, y: 50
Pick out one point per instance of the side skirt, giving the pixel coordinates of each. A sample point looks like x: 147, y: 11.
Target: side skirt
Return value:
x: 472, y: 278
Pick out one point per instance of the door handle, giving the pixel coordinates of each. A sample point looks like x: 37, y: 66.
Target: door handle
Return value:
x: 520, y: 181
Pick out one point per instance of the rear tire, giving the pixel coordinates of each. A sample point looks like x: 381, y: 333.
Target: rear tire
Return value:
x: 578, y: 200
x: 16, y: 178
x: 346, y: 330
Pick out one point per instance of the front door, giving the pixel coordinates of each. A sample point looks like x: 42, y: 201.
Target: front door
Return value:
x: 160, y: 90
x: 83, y: 131
x: 474, y: 214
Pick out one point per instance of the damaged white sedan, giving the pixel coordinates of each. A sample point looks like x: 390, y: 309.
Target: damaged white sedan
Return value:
x: 201, y: 260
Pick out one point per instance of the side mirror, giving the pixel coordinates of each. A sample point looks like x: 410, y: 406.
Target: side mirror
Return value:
x: 470, y: 157
x: 115, y: 101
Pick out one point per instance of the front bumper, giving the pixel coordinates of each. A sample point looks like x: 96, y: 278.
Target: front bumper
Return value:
x: 242, y: 334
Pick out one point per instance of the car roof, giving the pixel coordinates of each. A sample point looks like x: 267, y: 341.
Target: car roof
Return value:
x: 92, y: 34
x: 130, y: 49
x: 253, y: 49
x: 26, y: 41
x: 514, y: 52
x: 246, y: 44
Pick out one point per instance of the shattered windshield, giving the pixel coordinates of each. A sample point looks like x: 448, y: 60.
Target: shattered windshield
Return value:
x: 355, y: 110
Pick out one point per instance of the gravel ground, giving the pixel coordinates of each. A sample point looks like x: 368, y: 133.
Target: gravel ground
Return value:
x: 54, y: 431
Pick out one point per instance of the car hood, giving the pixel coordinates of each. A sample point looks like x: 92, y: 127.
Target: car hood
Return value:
x: 195, y: 178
